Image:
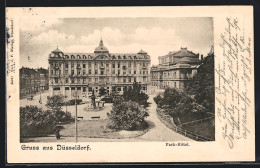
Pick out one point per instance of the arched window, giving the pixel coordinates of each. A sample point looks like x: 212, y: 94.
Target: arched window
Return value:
x: 78, y: 56
x: 84, y: 57
x: 72, y: 57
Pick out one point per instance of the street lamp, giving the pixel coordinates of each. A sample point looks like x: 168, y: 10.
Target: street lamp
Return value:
x: 40, y: 101
x: 76, y: 116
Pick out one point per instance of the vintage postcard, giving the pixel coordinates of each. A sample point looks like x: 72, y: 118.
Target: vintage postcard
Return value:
x: 130, y: 84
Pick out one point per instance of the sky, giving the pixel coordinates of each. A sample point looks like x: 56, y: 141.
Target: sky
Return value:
x: 156, y: 36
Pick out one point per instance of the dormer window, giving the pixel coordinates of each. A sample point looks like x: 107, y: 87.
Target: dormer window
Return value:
x: 119, y: 57
x: 72, y: 57
x: 124, y: 57
x: 84, y: 57
x: 135, y: 57
x: 78, y: 57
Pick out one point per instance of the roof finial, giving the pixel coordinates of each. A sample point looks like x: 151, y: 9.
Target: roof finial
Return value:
x: 57, y: 47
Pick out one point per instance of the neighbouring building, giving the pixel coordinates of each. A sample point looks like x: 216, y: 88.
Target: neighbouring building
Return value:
x: 33, y: 80
x: 175, y: 69
x: 82, y: 73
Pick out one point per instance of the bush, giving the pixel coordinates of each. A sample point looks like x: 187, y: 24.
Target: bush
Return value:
x: 136, y: 95
x: 34, y: 120
x: 178, y: 105
x: 72, y: 102
x: 107, y: 99
x: 127, y: 115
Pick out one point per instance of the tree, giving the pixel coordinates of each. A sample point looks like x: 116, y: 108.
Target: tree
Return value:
x: 55, y: 102
x: 102, y: 91
x: 34, y: 120
x: 202, y: 86
x: 127, y: 115
x: 136, y: 95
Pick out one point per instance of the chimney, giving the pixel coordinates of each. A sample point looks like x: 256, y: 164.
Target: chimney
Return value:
x: 201, y: 57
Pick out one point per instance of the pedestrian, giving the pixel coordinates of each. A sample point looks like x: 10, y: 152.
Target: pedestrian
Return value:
x: 57, y: 134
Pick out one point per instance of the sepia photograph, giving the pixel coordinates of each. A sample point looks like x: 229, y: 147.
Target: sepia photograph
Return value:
x: 117, y: 79
x: 130, y: 84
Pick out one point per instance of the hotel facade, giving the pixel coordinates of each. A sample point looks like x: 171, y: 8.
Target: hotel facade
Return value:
x: 84, y: 73
x: 175, y: 69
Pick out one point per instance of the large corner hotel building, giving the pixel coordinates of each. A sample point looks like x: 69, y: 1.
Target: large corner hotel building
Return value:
x: 86, y: 72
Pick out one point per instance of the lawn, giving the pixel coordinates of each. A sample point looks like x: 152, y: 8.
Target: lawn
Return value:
x: 97, y: 129
x: 206, y: 128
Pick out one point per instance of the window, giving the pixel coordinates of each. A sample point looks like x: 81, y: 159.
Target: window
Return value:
x: 119, y: 89
x: 84, y: 65
x: 72, y: 72
x: 89, y: 71
x: 113, y: 65
x: 134, y: 71
x: 66, y: 65
x: 84, y: 89
x: 78, y: 88
x: 113, y: 71
x: 129, y: 64
x: 118, y: 72
x: 96, y: 79
x: 113, y: 88
x: 52, y: 72
x: 124, y: 79
x: 118, y: 65
x: 89, y: 65
x: 67, y: 88
x: 78, y: 80
x: 144, y: 79
x: 129, y: 79
x: 102, y: 72
x: 72, y: 65
x: 134, y: 64
x: 84, y: 71
x: 78, y: 72
x: 72, y: 88
x: 66, y: 80
x: 56, y: 88
x: 84, y: 80
x: 174, y: 75
x: 89, y: 80
x: 56, y: 80
x: 90, y: 89
x: 96, y: 71
x: 175, y: 85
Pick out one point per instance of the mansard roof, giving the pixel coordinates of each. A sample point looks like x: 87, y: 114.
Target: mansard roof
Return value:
x: 100, y: 51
